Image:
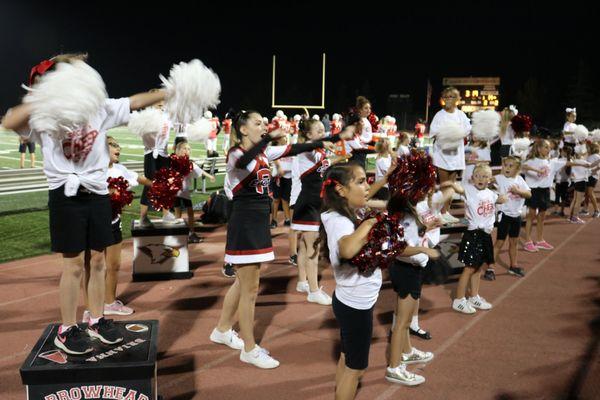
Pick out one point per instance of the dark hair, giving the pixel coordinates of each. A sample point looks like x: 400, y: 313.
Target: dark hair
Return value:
x: 240, y: 119
x: 332, y: 201
x: 361, y: 101
x: 304, y: 127
x: 398, y: 204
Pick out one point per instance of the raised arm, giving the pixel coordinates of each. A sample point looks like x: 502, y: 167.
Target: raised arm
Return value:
x: 17, y: 118
x: 143, y: 100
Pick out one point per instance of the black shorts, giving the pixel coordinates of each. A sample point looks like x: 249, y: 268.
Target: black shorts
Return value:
x: 356, y: 331
x: 116, y: 232
x: 580, y: 186
x: 406, y: 279
x: 183, y: 203
x: 151, y: 165
x: 282, y: 189
x: 78, y: 223
x: 561, y: 193
x: 27, y: 146
x: 476, y: 248
x: 539, y: 200
x: 592, y: 182
x: 510, y: 226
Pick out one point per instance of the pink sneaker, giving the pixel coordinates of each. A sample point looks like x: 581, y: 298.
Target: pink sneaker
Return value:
x: 117, y: 308
x: 544, y: 245
x: 530, y: 247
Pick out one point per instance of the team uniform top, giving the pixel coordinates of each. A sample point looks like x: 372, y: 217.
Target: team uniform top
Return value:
x: 514, y: 203
x: 227, y: 126
x: 509, y: 136
x: 412, y: 238
x: 360, y: 141
x: 452, y: 159
x: 158, y: 142
x: 480, y: 208
x: 188, y: 182
x: 569, y: 128
x: 428, y: 214
x: 382, y: 165
x: 548, y: 170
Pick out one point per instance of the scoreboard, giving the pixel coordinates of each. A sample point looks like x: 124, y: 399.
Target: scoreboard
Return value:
x: 476, y: 93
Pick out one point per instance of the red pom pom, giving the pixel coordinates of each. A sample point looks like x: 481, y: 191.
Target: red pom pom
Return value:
x: 373, y: 121
x: 413, y: 177
x: 385, y: 243
x: 521, y: 123
x: 120, y: 196
x: 181, y: 164
x: 166, y: 184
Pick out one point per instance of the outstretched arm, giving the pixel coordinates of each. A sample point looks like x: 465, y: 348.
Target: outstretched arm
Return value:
x: 143, y: 100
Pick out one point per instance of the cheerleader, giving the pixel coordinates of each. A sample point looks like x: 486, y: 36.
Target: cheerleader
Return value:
x: 477, y: 153
x: 294, y: 129
x: 364, y: 135
x: 579, y: 177
x: 227, y: 132
x: 79, y: 207
x: 211, y: 142
x: 336, y: 124
x: 476, y: 247
x: 449, y: 157
x: 403, y: 144
x: 569, y: 127
x: 507, y: 133
x: 292, y: 234
x: 510, y: 184
x: 383, y: 163
x: 594, y: 156
x: 249, y: 174
x: 282, y: 185
x: 561, y: 188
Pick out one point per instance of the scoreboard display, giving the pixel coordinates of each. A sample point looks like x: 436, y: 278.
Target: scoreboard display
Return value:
x: 476, y: 93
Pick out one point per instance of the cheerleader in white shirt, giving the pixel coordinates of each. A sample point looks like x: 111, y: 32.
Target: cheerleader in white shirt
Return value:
x: 449, y: 159
x: 79, y: 207
x: 580, y: 172
x: 510, y: 184
x: 507, y: 133
x: 364, y: 135
x: 403, y: 144
x: 476, y: 247
x: 383, y: 163
x: 249, y: 174
x: 569, y: 127
x: 477, y: 153
x: 593, y: 157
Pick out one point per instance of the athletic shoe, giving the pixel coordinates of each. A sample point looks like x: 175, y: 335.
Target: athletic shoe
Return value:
x: 417, y: 357
x: 228, y: 271
x: 489, y: 275
x: 146, y: 223
x: 117, y: 308
x: 584, y: 213
x: 169, y: 218
x: 479, y: 302
x: 544, y: 245
x: 530, y: 247
x: 596, y: 214
x: 449, y: 219
x: 463, y: 306
x: 273, y: 224
x: 193, y: 238
x: 73, y: 341
x: 229, y: 338
x: 86, y: 317
x: 105, y: 331
x: 420, y: 333
x: 294, y: 259
x: 576, y: 220
x: 287, y: 222
x: 302, y: 287
x: 319, y: 297
x: 402, y: 376
x: 556, y: 213
x: 520, y: 272
x: 259, y: 357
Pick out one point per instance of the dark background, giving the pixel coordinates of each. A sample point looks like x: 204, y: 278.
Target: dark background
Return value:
x: 546, y: 55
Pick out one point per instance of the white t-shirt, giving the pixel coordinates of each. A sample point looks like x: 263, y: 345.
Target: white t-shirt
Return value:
x: 450, y: 160
x: 580, y: 172
x: 296, y: 182
x: 90, y: 172
x: 569, y: 128
x: 592, y: 158
x: 480, y: 208
x: 509, y: 136
x: 412, y: 238
x: 429, y: 214
x: 285, y: 163
x: 548, y: 168
x: 478, y: 154
x: 188, y: 182
x: 403, y: 150
x: 351, y: 288
x: 561, y: 174
x: 514, y: 203
x: 118, y: 170
x: 158, y: 143
x: 382, y: 165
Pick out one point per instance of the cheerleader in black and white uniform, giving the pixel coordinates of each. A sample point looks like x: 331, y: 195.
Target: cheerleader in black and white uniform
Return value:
x: 248, y: 234
x: 360, y: 145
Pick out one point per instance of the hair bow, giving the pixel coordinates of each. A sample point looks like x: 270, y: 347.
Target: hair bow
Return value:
x: 513, y: 108
x: 40, y: 69
x: 326, y: 183
x: 571, y: 110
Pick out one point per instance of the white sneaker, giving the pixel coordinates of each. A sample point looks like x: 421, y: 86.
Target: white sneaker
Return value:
x: 479, y: 302
x: 259, y: 357
x: 447, y: 218
x: 319, y: 297
x: 417, y: 356
x: 86, y: 317
x: 302, y: 287
x: 463, y: 306
x: 229, y: 338
x: 402, y: 376
x: 169, y: 218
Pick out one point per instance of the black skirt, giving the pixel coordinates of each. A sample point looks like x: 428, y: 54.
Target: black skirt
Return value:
x: 249, y: 232
x: 539, y: 200
x: 307, y: 215
x: 476, y: 248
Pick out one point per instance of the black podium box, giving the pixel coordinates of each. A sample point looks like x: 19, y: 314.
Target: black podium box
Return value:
x: 124, y: 371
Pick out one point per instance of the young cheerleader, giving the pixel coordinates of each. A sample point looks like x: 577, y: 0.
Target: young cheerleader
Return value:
x: 183, y: 201
x: 594, y: 156
x: 345, y: 191
x: 249, y: 174
x: 507, y: 133
x: 382, y: 166
x: 477, y: 153
x: 561, y: 189
x: 476, y: 247
x: 569, y: 127
x: 579, y: 177
x: 227, y: 132
x: 449, y: 161
x: 403, y: 144
x: 364, y: 136
x: 510, y: 184
x: 79, y: 207
x: 282, y: 186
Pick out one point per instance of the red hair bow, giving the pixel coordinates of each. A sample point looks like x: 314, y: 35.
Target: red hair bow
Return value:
x: 40, y: 69
x: 326, y: 183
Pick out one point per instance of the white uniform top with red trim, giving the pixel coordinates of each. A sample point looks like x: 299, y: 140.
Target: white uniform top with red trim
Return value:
x: 214, y: 123
x: 336, y: 127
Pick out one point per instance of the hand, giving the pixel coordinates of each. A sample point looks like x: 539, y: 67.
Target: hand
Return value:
x: 502, y: 199
x: 211, y: 178
x: 329, y: 146
x: 435, y: 223
x: 276, y: 134
x: 433, y: 254
x: 514, y: 189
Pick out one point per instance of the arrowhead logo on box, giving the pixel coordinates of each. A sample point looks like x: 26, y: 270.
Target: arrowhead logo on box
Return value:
x: 159, y: 253
x: 56, y: 356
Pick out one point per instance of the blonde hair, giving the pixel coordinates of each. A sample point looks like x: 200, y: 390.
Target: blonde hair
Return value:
x: 482, y: 167
x: 593, y: 148
x: 449, y: 89
x: 383, y: 147
x: 69, y: 57
x: 535, y: 149
x: 180, y: 146
x: 513, y: 158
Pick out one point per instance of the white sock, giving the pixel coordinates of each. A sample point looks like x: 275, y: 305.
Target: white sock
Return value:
x: 414, y: 324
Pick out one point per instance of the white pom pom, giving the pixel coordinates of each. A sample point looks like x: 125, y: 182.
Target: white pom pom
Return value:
x: 192, y: 88
x: 199, y: 130
x: 581, y: 149
x: 316, y: 117
x: 298, y: 117
x: 485, y: 125
x: 595, y: 135
x: 335, y: 117
x: 279, y: 114
x: 393, y: 120
x: 266, y: 120
x: 520, y: 147
x: 149, y: 121
x: 208, y: 115
x: 450, y: 135
x: 581, y: 133
x: 66, y: 99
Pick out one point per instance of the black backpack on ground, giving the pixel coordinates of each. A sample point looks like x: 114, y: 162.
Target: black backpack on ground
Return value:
x: 216, y: 209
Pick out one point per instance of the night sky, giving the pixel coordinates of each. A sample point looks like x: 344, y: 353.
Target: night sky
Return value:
x: 375, y: 50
